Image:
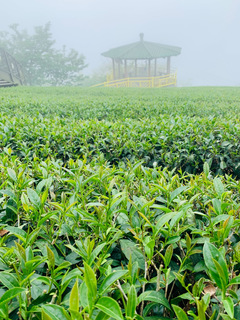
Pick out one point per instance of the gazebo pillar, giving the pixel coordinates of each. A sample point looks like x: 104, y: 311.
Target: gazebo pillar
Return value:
x: 135, y: 67
x: 119, y: 69
x: 113, y: 67
x: 149, y: 67
x: 168, y: 65
x: 155, y: 67
x: 125, y: 68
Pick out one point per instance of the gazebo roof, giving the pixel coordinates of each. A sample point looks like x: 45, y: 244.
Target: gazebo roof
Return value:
x: 142, y: 50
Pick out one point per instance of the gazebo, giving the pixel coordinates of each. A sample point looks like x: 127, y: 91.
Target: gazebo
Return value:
x: 136, y: 64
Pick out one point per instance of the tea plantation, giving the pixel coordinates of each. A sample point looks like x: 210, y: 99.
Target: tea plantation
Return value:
x: 119, y: 204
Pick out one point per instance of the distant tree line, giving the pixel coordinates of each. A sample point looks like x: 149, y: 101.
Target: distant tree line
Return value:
x: 42, y: 62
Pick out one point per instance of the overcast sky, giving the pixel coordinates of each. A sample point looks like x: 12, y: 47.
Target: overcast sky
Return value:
x: 206, y: 30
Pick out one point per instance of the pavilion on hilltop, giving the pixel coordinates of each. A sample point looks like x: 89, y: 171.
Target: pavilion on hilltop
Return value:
x: 137, y: 65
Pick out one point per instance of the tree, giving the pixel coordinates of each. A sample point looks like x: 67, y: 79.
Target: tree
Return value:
x: 43, y: 64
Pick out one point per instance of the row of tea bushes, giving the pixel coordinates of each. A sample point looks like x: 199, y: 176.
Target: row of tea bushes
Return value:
x: 175, y: 142
x: 113, y: 105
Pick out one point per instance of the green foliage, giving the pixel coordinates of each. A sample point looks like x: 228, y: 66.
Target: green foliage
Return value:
x: 110, y: 307
x: 85, y: 237
x: 43, y: 64
x: 157, y: 129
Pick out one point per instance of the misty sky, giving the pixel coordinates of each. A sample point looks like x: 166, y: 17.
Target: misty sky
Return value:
x: 206, y: 30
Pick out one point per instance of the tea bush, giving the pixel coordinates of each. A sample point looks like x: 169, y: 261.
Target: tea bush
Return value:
x: 122, y: 217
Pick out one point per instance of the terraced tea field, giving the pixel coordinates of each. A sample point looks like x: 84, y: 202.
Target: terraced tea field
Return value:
x: 119, y: 204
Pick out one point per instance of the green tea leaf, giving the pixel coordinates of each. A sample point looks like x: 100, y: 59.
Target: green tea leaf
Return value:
x: 219, y: 269
x: 217, y: 206
x: 181, y: 315
x: 8, y: 279
x: 188, y: 241
x: 102, y: 316
x: 132, y: 302
x: 218, y: 185
x: 235, y: 280
x: 154, y: 296
x: 168, y: 255
x: 56, y: 312
x: 91, y: 282
x: 176, y: 192
x: 34, y: 197
x: 162, y: 221
x: 21, y: 250
x: 10, y: 294
x: 226, y: 317
x: 45, y: 316
x: 211, y: 253
x: 130, y: 249
x: 51, y: 258
x: 83, y: 294
x: 110, y: 279
x: 206, y: 169
x: 229, y: 306
x: 110, y: 307
x: 12, y: 174
x: 95, y: 253
x: 19, y: 233
x: 74, y: 298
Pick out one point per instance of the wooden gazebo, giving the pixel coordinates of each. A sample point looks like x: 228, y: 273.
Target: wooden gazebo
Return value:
x: 136, y: 65
x: 11, y: 72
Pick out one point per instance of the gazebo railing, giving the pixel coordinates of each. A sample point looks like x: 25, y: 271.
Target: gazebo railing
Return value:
x: 142, y: 82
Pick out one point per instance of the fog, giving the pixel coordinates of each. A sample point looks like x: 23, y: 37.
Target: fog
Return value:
x: 206, y: 30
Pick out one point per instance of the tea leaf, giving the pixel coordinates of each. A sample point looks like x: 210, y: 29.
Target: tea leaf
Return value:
x: 110, y: 307
x: 21, y: 251
x: 181, y: 315
x: 102, y: 316
x: 19, y: 233
x: 91, y: 282
x: 218, y: 185
x: 10, y: 294
x: 132, y: 302
x: 163, y: 220
x: 95, y: 253
x: 83, y: 294
x: 51, y: 258
x: 226, y: 317
x: 130, y: 249
x: 206, y: 169
x: 110, y: 279
x: 55, y: 312
x: 176, y: 192
x: 154, y: 296
x: 211, y: 253
x: 229, y: 306
x: 12, y: 174
x: 74, y: 298
x: 34, y: 197
x: 45, y: 316
x: 235, y: 280
x: 168, y: 255
x: 9, y: 280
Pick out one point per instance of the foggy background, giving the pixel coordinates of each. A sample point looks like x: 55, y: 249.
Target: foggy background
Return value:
x: 206, y: 30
